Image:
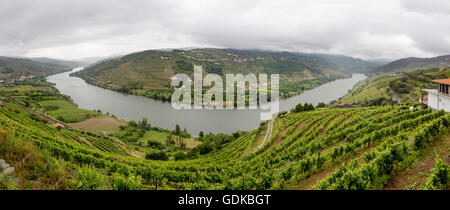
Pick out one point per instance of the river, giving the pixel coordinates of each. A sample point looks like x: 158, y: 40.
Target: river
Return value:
x: 161, y: 114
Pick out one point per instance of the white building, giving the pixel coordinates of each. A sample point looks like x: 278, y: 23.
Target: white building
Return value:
x: 438, y: 98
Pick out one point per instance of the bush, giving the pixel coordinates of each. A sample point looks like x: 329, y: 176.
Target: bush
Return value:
x: 439, y: 176
x: 180, y: 156
x: 160, y: 155
x: 61, y: 118
x: 155, y: 144
x: 205, y: 148
x: 89, y: 179
x: 119, y: 182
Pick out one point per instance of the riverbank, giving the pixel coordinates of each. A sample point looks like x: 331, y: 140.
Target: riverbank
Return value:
x: 287, y: 90
x: 131, y: 107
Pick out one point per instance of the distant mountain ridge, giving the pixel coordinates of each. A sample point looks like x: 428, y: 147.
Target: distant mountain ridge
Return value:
x: 413, y: 63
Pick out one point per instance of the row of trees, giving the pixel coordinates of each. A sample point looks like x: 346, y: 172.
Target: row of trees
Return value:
x: 301, y: 108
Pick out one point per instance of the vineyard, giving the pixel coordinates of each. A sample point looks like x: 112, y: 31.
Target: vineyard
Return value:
x: 344, y: 149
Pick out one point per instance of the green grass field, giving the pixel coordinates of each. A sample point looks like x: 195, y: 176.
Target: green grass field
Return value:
x: 67, y: 112
x: 154, y: 136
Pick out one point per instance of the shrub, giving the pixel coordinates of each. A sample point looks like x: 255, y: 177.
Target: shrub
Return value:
x: 89, y: 179
x: 155, y: 144
x: 180, y: 156
x: 205, y: 148
x: 159, y: 155
x: 119, y: 182
x: 439, y: 176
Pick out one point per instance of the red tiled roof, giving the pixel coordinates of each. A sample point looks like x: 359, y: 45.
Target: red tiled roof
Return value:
x: 442, y: 81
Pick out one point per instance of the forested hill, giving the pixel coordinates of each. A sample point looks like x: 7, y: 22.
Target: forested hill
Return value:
x: 221, y: 61
x: 147, y: 72
x: 412, y: 63
x: 13, y: 68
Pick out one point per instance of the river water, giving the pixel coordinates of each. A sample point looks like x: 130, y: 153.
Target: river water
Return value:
x: 161, y: 114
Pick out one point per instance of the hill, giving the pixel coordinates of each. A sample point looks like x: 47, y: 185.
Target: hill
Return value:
x: 411, y: 64
x: 349, y: 149
x: 402, y: 86
x: 148, y: 73
x: 14, y: 68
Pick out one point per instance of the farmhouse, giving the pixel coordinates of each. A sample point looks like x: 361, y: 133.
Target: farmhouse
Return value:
x: 439, y: 98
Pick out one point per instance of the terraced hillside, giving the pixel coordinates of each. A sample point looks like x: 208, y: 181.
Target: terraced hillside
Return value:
x: 382, y: 89
x: 148, y: 73
x: 361, y: 148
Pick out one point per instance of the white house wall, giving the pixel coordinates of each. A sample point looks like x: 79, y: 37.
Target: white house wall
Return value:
x: 438, y: 102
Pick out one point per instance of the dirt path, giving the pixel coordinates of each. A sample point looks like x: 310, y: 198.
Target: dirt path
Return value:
x: 89, y: 143
x: 268, y: 134
x: 308, y: 183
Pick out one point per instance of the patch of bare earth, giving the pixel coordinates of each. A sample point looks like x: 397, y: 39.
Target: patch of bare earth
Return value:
x: 99, y: 122
x: 134, y: 153
x: 417, y: 172
x: 309, y: 182
x: 308, y: 73
x: 191, y: 143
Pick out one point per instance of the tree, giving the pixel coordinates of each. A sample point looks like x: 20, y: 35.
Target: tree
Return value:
x: 132, y: 123
x: 144, y: 123
x: 205, y: 148
x: 177, y: 129
x: 201, y: 134
x: 155, y: 144
x: 159, y: 155
x: 298, y: 108
x: 180, y: 156
x: 321, y: 105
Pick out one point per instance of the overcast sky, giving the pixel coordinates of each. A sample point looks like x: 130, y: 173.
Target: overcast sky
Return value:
x: 92, y: 28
